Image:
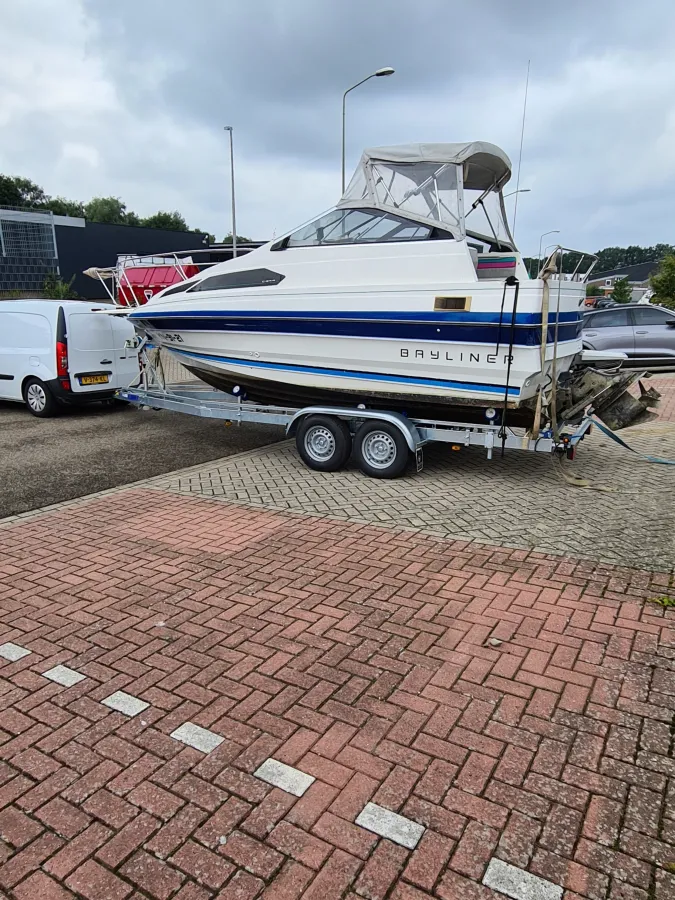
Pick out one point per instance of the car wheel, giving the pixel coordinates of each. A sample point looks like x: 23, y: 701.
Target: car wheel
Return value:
x: 39, y: 399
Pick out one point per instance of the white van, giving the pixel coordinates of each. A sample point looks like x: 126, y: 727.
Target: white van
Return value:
x: 63, y: 351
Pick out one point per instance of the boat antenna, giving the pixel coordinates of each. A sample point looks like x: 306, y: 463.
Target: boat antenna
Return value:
x: 520, y: 155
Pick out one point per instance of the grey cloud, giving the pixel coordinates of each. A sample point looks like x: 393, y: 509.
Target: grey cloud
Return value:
x: 598, y: 152
x: 282, y: 66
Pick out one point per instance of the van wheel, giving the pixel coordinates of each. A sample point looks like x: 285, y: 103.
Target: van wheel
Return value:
x: 324, y: 442
x: 380, y: 450
x: 39, y: 399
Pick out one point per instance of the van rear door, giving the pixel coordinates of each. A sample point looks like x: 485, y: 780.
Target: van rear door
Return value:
x: 126, y: 358
x: 91, y: 352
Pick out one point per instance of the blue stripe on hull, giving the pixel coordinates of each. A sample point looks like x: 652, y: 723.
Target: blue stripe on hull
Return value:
x: 346, y: 373
x: 459, y: 317
x: 423, y: 327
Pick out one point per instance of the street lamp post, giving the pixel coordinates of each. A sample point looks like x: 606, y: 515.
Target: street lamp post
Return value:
x: 387, y: 70
x: 519, y: 191
x: 234, y: 213
x: 555, y: 231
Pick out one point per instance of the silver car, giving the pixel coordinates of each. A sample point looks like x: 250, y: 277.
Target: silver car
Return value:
x: 641, y: 332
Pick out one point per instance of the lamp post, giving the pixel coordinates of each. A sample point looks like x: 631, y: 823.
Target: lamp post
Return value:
x: 387, y: 70
x: 234, y: 214
x: 555, y: 231
x: 519, y: 191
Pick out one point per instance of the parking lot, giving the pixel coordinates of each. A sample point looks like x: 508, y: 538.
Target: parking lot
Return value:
x: 259, y: 682
x: 45, y: 461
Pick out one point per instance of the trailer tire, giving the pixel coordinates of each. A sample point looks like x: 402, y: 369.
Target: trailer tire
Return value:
x: 324, y: 442
x: 380, y: 449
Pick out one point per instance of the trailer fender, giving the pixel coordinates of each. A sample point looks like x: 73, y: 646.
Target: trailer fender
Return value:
x: 355, y: 416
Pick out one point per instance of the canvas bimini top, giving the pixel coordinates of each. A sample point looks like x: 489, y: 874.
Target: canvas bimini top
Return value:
x: 456, y: 186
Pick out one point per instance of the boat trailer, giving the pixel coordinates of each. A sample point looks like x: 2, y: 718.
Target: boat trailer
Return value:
x: 326, y: 435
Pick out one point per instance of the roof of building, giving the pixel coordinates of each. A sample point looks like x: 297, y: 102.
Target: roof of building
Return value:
x: 638, y: 272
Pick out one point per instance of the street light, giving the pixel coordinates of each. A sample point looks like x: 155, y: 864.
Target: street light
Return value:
x: 519, y: 191
x: 234, y: 216
x: 387, y: 70
x: 555, y: 231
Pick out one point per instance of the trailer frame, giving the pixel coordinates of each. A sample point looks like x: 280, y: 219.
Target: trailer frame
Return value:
x: 153, y: 393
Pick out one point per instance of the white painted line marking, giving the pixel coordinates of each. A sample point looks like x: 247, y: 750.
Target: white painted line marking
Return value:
x: 519, y: 884
x: 125, y: 703
x: 13, y: 652
x: 64, y: 676
x: 197, y: 737
x: 288, y: 779
x: 390, y: 825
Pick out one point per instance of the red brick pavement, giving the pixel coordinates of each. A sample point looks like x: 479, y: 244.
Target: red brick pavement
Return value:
x: 517, y: 705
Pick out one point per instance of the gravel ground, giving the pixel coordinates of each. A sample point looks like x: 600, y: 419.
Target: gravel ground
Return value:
x: 44, y: 461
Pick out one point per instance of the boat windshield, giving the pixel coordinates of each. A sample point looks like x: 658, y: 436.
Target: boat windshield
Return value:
x: 357, y: 226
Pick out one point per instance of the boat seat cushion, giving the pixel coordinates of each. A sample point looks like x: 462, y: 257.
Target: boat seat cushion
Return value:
x: 495, y: 265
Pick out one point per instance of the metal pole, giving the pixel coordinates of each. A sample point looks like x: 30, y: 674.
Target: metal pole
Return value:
x: 234, y: 212
x: 344, y: 119
x: 555, y: 231
x: 520, y: 155
x: 387, y: 70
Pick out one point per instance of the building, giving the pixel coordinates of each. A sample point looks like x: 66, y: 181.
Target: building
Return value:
x: 637, y: 275
x: 34, y: 243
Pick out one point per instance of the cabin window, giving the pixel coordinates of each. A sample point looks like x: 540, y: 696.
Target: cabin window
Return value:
x: 358, y: 226
x: 245, y: 278
x: 179, y: 289
x: 456, y: 303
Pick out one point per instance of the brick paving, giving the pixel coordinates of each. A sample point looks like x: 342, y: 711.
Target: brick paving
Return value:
x: 523, y: 500
x: 518, y: 705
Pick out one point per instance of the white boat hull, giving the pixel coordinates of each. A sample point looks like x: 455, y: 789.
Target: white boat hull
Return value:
x: 316, y: 330
x: 443, y: 372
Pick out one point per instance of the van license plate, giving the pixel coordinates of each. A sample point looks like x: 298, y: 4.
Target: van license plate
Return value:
x: 94, y: 379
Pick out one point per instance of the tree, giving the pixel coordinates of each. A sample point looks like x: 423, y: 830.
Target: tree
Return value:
x: 16, y: 191
x: 240, y: 239
x: 594, y: 290
x: 110, y: 210
x: 171, y: 221
x: 622, y: 291
x: 663, y: 282
x: 62, y: 207
x: 615, y: 257
x: 55, y: 288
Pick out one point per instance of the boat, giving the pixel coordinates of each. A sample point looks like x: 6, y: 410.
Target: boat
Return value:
x: 409, y: 295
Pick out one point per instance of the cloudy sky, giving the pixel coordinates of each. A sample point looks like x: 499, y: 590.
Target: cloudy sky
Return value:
x: 130, y: 97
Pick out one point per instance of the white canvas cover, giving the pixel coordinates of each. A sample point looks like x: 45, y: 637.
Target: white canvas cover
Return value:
x: 487, y: 163
x: 427, y: 182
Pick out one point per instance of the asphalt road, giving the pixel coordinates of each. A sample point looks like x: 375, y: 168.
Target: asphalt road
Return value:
x: 87, y: 449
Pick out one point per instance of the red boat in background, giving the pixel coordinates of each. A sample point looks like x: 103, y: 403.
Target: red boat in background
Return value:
x: 140, y: 283
x: 136, y: 279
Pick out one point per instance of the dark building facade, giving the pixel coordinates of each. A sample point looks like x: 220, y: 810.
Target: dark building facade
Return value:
x: 34, y: 243
x: 98, y: 244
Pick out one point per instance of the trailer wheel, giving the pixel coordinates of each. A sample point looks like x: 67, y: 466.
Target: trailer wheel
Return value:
x: 324, y: 442
x: 380, y: 450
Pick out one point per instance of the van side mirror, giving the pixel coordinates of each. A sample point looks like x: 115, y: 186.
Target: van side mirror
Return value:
x: 132, y: 343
